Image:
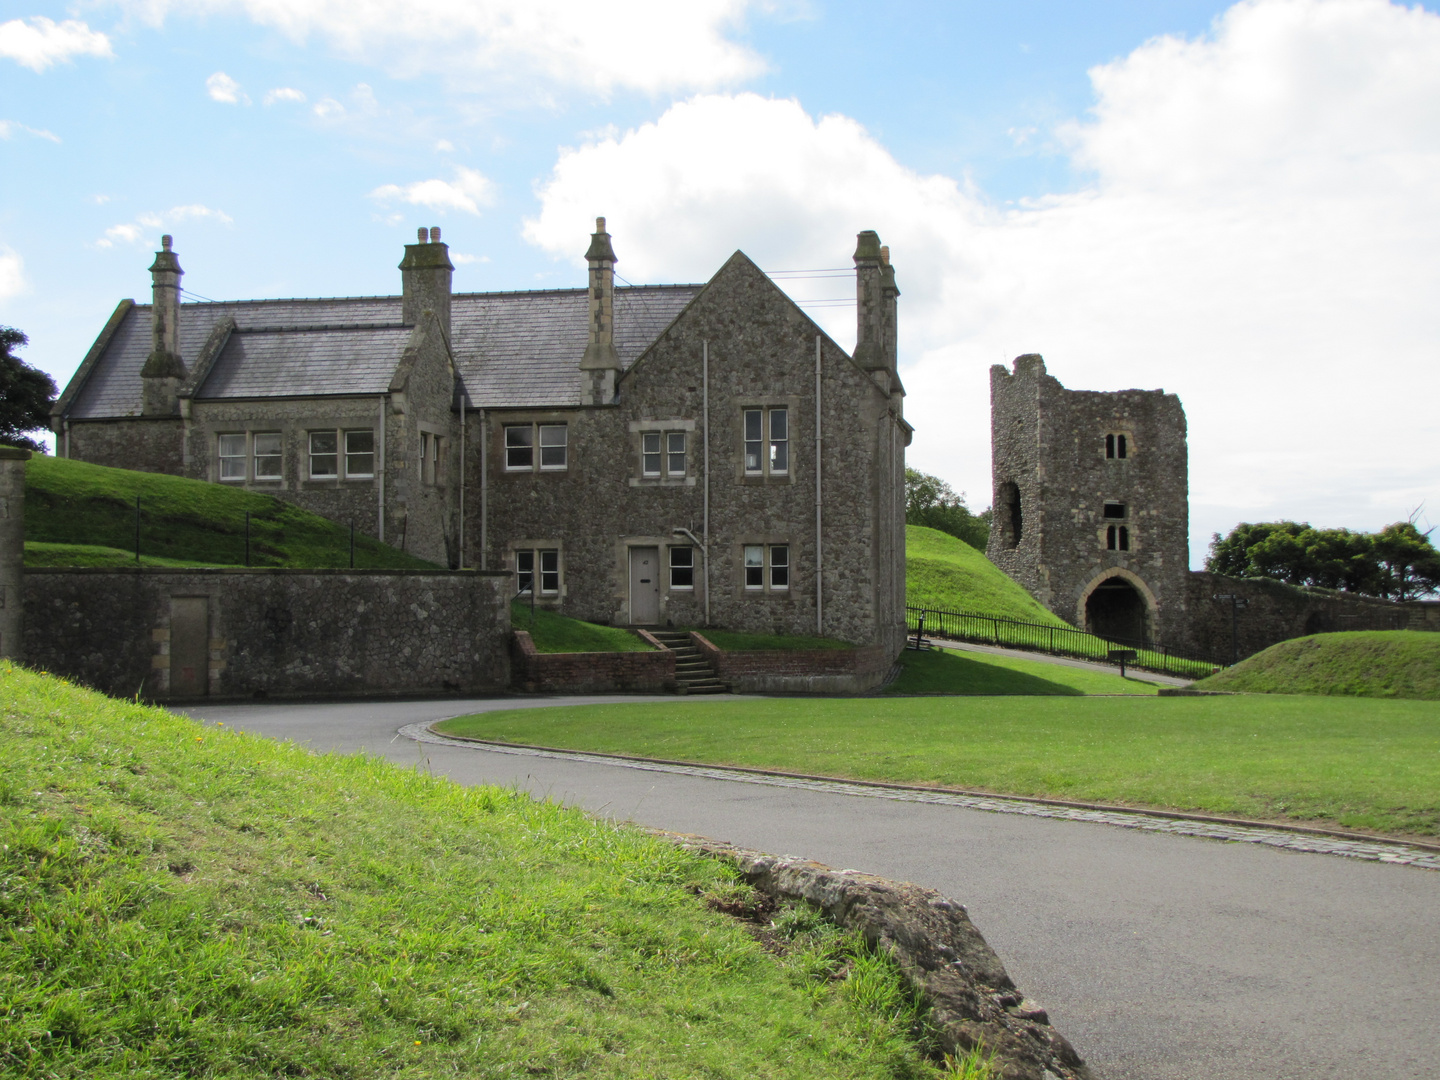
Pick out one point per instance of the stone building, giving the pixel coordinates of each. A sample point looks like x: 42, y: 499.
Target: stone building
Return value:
x: 1091, y: 510
x: 669, y: 454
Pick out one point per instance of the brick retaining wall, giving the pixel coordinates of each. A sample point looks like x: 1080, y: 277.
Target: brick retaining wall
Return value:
x: 591, y: 672
x: 799, y: 671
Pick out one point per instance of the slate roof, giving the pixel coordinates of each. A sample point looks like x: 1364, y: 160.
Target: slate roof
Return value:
x: 513, y: 350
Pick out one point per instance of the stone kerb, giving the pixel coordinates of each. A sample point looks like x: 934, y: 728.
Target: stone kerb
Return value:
x: 798, y: 671
x: 590, y: 672
x: 12, y: 551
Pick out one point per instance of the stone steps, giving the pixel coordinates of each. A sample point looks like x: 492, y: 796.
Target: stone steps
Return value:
x: 693, y: 672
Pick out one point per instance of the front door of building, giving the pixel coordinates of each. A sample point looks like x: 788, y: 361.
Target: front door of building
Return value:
x: 645, y: 585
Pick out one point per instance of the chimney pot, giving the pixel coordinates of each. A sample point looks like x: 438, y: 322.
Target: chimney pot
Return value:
x: 421, y: 235
x: 434, y: 234
x: 885, y: 254
x: 166, y: 241
x: 599, y: 224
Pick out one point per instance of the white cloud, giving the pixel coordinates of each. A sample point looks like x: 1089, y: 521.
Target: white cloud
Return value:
x: 328, y: 107
x: 460, y: 259
x: 648, y: 45
x: 284, y: 93
x: 40, y: 42
x: 469, y: 191
x: 135, y: 232
x: 444, y: 146
x: 1260, y: 235
x: 12, y: 273
x: 223, y: 88
x: 9, y: 127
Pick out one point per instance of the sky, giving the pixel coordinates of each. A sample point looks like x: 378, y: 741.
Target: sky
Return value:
x: 1237, y: 204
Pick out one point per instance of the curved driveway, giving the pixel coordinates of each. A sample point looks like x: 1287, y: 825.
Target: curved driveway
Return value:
x: 1160, y: 957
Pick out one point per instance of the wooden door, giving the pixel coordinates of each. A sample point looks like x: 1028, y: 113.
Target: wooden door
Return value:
x: 645, y: 585
x: 189, y: 646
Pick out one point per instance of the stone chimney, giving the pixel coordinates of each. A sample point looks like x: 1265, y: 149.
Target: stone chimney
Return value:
x: 164, y: 371
x: 601, y: 363
x: 889, y: 311
x: 425, y: 279
x: 870, y: 302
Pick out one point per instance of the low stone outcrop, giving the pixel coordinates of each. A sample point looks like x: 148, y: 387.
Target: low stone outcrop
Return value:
x: 971, y: 998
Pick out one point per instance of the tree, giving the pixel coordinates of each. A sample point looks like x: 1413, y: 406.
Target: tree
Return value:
x: 1399, y: 561
x: 26, y: 394
x: 931, y: 502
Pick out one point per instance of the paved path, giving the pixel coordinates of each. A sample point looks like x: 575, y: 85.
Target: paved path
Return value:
x: 1138, y: 674
x: 1162, y: 957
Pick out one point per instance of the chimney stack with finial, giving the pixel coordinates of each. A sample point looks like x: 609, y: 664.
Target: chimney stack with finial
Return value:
x: 425, y: 275
x: 164, y: 370
x: 875, y: 294
x: 601, y: 363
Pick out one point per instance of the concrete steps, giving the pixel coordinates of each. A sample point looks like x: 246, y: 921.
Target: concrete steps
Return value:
x: 693, y: 672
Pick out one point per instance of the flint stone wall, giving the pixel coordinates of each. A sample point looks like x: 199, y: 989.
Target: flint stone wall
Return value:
x: 799, y: 671
x: 592, y: 672
x: 972, y: 999
x: 281, y: 633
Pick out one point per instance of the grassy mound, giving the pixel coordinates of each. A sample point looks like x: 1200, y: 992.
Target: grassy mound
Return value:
x: 555, y: 633
x: 945, y: 573
x: 1362, y: 663
x: 189, y: 521
x: 190, y: 901
x: 943, y: 671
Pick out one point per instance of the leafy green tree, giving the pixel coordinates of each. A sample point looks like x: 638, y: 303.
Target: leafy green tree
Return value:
x: 26, y: 394
x: 931, y: 502
x: 1399, y: 561
x: 1408, y: 561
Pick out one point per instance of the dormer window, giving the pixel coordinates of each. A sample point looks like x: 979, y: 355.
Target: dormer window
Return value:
x: 1117, y: 445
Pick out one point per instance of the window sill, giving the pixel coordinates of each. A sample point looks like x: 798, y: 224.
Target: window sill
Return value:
x: 662, y: 481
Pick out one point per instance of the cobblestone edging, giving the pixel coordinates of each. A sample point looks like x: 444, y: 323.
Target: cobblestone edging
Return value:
x: 972, y: 1000
x: 1402, y: 854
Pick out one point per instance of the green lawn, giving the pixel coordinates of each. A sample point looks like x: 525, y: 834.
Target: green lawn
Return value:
x: 555, y: 633
x: 1357, y: 763
x: 1373, y: 663
x: 944, y: 671
x: 195, y: 523
x: 189, y: 901
x: 948, y: 574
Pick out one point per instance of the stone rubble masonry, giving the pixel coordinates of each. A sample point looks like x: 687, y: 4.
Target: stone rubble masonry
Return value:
x: 593, y: 672
x: 798, y: 671
x: 971, y: 997
x: 1049, y: 442
x: 12, y: 550
x: 274, y: 633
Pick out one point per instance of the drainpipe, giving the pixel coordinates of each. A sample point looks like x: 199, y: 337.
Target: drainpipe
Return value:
x: 381, y: 478
x: 462, y: 480
x: 819, y: 542
x: 705, y: 513
x: 484, y: 488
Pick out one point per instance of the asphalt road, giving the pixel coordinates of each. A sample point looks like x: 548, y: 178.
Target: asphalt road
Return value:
x: 1160, y: 957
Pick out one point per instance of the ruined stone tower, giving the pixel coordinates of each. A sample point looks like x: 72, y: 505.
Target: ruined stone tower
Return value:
x: 1091, y: 501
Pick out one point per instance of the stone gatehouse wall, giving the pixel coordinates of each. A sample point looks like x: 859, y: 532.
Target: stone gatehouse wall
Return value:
x: 175, y: 635
x: 592, y: 672
x: 1275, y: 612
x: 800, y: 671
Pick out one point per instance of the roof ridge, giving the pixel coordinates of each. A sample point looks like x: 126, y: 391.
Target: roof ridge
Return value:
x: 300, y: 329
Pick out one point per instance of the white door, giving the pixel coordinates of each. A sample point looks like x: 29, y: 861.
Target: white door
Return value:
x: 645, y: 585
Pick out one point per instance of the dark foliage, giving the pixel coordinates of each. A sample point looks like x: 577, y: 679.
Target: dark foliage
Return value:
x: 26, y: 394
x: 931, y: 502
x: 1399, y: 562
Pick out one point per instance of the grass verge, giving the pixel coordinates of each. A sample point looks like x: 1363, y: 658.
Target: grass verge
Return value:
x: 75, y: 503
x: 1356, y: 763
x: 947, y: 574
x: 39, y: 553
x: 1376, y: 663
x: 555, y: 633
x: 188, y: 901
x: 945, y: 671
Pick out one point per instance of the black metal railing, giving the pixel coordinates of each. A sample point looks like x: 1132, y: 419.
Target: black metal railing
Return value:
x: 1056, y: 640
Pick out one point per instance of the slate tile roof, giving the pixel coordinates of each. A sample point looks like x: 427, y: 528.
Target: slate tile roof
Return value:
x: 513, y: 350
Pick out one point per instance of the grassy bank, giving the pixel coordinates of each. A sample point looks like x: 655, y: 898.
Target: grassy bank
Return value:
x: 188, y: 901
x: 188, y: 521
x: 555, y: 633
x: 1355, y: 763
x: 943, y: 671
x: 948, y: 574
x: 1385, y: 664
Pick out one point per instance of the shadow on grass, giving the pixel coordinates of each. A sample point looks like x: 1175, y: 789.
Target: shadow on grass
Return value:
x: 943, y: 672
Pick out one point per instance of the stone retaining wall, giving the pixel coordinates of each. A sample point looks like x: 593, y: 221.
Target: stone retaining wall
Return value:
x: 171, y: 635
x: 799, y: 671
x: 591, y: 672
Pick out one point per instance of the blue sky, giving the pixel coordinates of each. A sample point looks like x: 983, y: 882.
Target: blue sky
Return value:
x: 1238, y: 204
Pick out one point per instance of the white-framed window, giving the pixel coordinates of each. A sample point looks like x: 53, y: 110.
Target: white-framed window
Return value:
x: 675, y: 453
x: 269, y: 455
x: 651, y: 457
x: 1117, y: 445
x: 232, y: 458
x: 767, y: 441
x: 767, y: 567
x: 522, y: 439
x: 430, y: 458
x: 324, y: 455
x: 548, y: 561
x: 663, y: 453
x: 682, y: 568
x: 1117, y: 538
x: 360, y: 454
